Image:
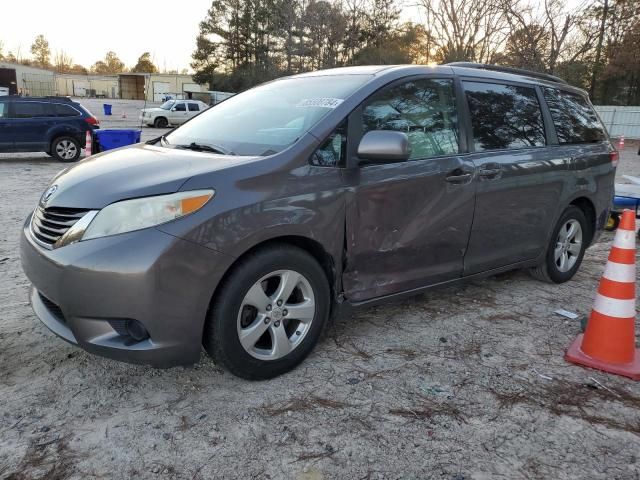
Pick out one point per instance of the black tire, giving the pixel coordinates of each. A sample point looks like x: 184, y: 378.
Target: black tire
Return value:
x: 65, y: 154
x: 161, y: 122
x: 548, y: 271
x: 221, y: 338
x: 612, y: 222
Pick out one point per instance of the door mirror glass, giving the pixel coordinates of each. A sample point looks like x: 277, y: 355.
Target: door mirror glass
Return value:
x: 384, y: 146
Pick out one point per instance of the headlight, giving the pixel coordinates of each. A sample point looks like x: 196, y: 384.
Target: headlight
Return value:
x: 139, y: 213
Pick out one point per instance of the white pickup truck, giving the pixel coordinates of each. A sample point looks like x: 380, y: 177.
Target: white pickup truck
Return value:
x: 172, y: 112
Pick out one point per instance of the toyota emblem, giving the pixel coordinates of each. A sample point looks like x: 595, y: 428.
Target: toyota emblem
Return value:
x: 47, y: 195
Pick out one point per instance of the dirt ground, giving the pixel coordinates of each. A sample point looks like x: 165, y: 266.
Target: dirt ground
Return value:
x: 461, y: 383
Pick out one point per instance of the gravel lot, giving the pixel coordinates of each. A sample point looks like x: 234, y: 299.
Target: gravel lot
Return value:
x: 460, y: 383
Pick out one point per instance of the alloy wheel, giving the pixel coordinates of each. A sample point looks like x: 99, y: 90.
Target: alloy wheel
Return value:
x: 568, y: 245
x: 276, y: 314
x: 66, y: 149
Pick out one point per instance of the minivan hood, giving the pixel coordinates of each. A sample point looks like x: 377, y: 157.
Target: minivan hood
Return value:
x: 130, y: 172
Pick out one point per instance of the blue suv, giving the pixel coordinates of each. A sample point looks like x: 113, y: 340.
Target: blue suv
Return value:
x: 54, y: 125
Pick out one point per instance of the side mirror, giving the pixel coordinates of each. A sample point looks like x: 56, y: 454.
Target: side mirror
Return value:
x: 384, y: 146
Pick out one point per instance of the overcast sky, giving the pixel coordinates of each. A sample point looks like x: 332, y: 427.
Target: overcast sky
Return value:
x: 87, y: 30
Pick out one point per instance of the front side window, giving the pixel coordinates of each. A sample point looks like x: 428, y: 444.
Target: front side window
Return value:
x: 267, y: 119
x: 333, y: 151
x: 573, y: 117
x: 180, y: 107
x: 424, y: 109
x: 504, y: 116
x: 193, y: 107
x: 29, y: 109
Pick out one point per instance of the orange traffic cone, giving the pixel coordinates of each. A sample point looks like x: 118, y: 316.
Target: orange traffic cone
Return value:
x: 88, y: 144
x: 609, y: 340
x: 621, y: 143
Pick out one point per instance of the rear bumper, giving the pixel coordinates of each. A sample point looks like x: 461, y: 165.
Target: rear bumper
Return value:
x: 81, y: 291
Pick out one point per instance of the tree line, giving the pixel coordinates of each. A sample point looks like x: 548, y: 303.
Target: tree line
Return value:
x: 41, y: 57
x: 594, y: 45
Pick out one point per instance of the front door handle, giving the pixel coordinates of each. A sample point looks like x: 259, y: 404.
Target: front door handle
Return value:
x: 459, y: 179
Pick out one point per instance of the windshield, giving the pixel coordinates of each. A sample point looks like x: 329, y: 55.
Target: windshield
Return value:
x: 167, y: 105
x: 268, y: 118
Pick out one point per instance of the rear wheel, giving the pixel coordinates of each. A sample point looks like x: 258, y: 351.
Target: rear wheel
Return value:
x: 565, y: 251
x: 65, y: 149
x: 268, y: 314
x: 161, y: 122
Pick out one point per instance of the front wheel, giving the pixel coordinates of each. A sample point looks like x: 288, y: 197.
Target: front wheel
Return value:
x: 269, y: 313
x: 161, y: 122
x: 565, y: 251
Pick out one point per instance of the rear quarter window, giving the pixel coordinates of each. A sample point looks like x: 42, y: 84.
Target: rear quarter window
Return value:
x: 64, y: 110
x: 574, y: 118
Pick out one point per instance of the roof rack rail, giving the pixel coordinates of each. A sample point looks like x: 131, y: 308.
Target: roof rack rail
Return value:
x: 517, y: 71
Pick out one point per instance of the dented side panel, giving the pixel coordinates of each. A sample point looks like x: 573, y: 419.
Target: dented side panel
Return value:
x: 406, y: 226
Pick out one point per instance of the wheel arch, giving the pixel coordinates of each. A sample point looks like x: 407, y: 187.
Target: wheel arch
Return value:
x: 309, y: 245
x: 158, y: 117
x: 588, y: 208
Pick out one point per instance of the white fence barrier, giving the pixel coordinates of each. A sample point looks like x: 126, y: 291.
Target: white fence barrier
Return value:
x: 620, y: 120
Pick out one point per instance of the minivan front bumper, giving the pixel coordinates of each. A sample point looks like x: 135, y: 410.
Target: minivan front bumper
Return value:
x: 85, y: 292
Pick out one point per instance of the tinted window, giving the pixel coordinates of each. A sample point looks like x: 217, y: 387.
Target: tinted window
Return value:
x: 573, y: 117
x: 180, y: 107
x: 423, y: 109
x: 333, y: 150
x: 504, y: 116
x: 193, y: 107
x: 64, y: 110
x: 4, y: 109
x: 29, y: 109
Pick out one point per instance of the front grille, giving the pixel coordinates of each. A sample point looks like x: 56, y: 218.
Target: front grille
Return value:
x: 54, y: 309
x: 49, y: 224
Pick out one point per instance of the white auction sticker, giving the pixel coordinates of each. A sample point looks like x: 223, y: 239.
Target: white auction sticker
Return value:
x: 322, y: 102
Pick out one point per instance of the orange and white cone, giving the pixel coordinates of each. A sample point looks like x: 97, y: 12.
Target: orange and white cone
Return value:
x: 609, y: 342
x: 621, y: 143
x: 88, y: 145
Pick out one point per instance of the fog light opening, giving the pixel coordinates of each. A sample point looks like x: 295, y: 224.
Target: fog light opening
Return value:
x: 136, y: 330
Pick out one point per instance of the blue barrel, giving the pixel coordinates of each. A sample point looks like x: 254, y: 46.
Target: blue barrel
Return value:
x: 109, y: 139
x: 107, y: 108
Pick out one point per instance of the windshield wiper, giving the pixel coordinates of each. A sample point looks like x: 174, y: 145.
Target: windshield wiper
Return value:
x: 201, y: 147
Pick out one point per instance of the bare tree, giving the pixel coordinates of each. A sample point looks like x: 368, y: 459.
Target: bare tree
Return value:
x: 62, y: 62
x: 551, y: 31
x: 466, y: 30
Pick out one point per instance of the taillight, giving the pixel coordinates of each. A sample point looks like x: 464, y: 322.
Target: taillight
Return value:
x: 92, y: 121
x: 614, y: 156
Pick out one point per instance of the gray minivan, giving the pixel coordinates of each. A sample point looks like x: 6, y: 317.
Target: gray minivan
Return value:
x: 246, y: 228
